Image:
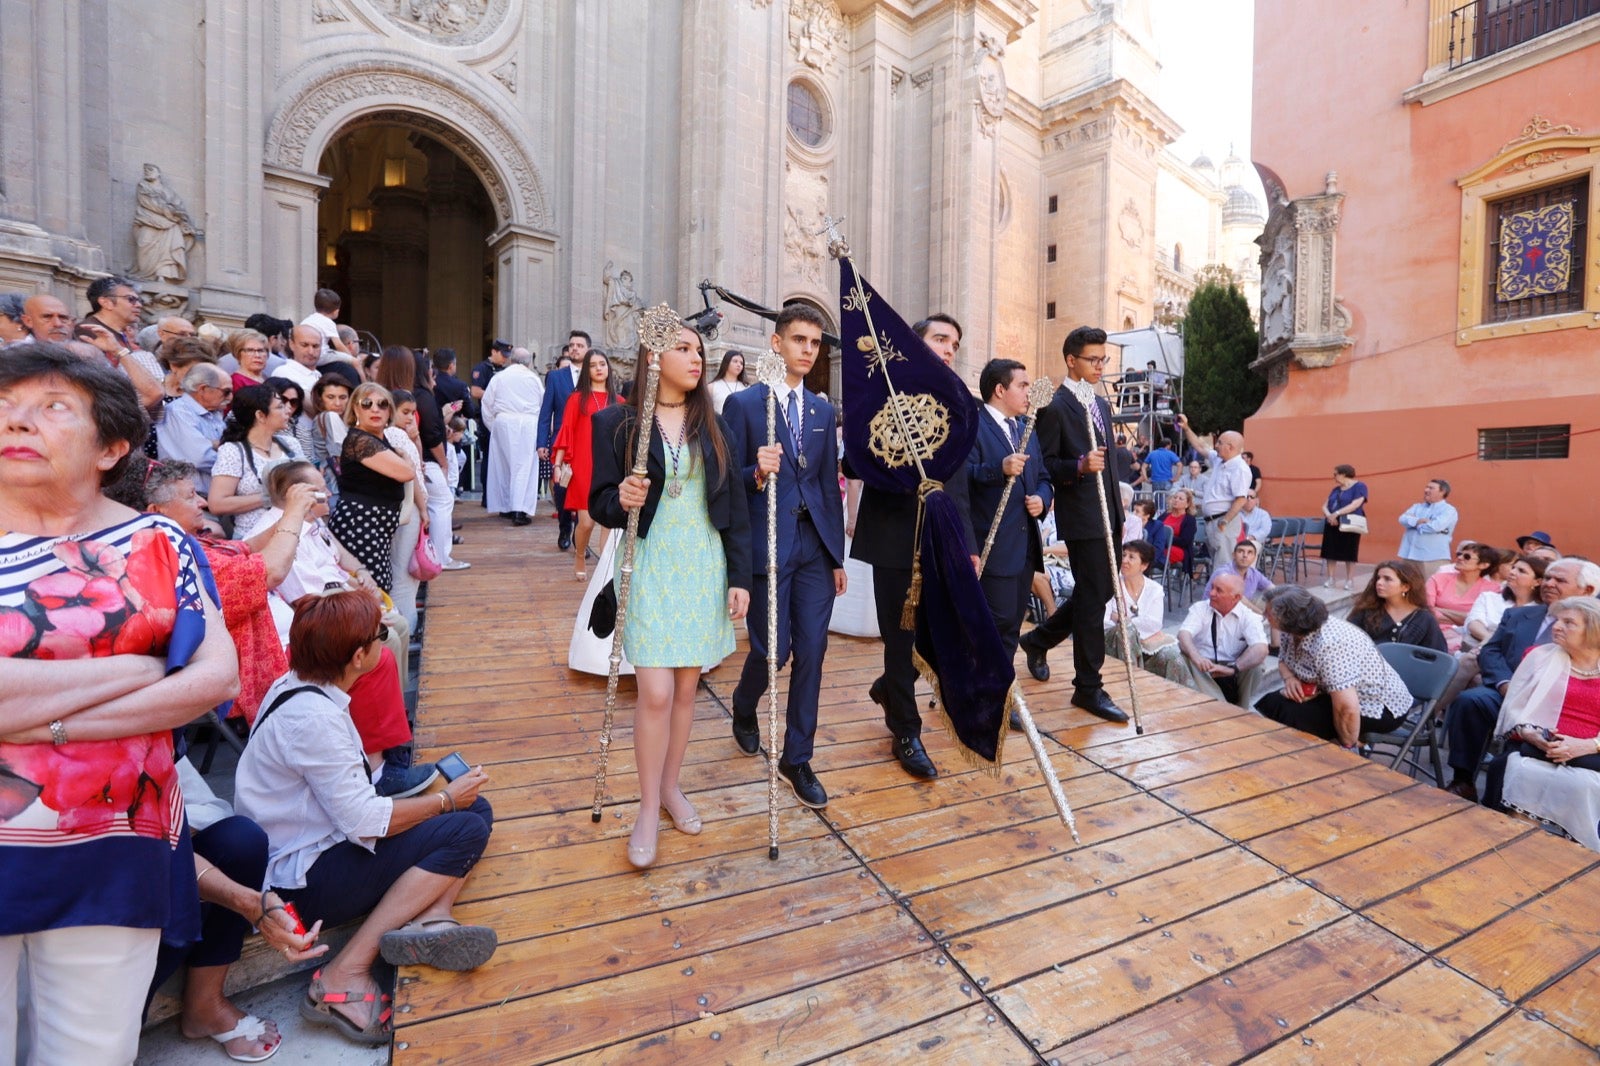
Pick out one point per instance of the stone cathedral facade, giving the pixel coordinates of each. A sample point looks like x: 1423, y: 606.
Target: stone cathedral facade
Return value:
x: 467, y: 169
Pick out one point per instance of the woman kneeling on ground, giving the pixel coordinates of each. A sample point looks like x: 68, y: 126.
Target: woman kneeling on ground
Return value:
x: 338, y: 849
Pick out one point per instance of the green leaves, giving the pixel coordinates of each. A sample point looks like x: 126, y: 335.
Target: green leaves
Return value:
x: 1219, y: 336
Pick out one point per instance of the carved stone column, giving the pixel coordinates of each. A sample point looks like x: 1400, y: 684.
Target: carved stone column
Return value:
x: 1301, y: 316
x: 524, y: 282
x: 234, y: 144
x: 289, y: 237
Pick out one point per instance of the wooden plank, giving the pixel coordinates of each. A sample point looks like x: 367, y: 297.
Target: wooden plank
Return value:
x: 1401, y: 861
x: 1358, y: 783
x: 1255, y: 1005
x: 531, y: 967
x: 1521, y: 1038
x: 1460, y: 900
x: 1314, y: 842
x: 1070, y: 1000
x: 628, y: 1006
x: 1428, y: 1011
x: 1571, y: 1004
x: 1018, y: 947
x: 972, y: 1035
x: 1182, y: 766
x: 802, y: 1025
x: 1247, y: 782
x: 1529, y: 947
x: 965, y: 857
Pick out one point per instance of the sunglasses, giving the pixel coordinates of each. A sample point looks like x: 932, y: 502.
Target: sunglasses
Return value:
x: 382, y: 635
x: 1465, y: 555
x: 224, y: 389
x: 370, y: 405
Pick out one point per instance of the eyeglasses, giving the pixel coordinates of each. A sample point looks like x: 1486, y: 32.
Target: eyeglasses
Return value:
x: 382, y: 635
x: 370, y: 405
x: 252, y: 351
x: 130, y: 297
x: 224, y: 389
x: 1465, y: 555
x: 1101, y: 361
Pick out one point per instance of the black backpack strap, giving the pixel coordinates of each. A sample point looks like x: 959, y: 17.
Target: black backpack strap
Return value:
x: 282, y: 697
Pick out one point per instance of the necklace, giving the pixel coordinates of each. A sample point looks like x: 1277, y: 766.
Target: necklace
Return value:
x: 1584, y: 675
x: 670, y: 406
x: 674, y: 454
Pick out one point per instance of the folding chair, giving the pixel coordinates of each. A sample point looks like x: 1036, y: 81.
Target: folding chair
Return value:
x: 1272, y: 550
x: 1304, y: 547
x: 1426, y: 673
x: 220, y: 731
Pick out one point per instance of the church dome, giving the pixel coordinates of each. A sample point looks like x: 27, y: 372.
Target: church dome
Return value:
x: 1203, y: 162
x: 1242, y: 208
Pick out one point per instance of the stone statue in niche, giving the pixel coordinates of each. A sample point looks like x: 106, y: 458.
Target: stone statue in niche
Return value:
x: 440, y: 17
x: 803, y: 248
x: 622, y: 307
x: 163, y: 232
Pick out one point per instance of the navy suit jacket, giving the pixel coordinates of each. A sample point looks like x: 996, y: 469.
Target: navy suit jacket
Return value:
x: 1502, y: 653
x: 557, y: 387
x: 1017, y: 547
x: 817, y: 486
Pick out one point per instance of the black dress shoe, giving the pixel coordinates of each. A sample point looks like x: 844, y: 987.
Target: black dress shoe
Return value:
x: 521, y: 518
x: 748, y: 737
x: 564, y: 541
x: 1016, y: 722
x: 1036, y: 661
x: 807, y: 789
x: 1099, y: 704
x: 913, y: 759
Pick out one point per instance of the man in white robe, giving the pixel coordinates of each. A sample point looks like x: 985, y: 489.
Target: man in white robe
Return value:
x: 511, y: 412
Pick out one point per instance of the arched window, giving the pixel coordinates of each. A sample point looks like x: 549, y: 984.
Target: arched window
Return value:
x: 1177, y: 257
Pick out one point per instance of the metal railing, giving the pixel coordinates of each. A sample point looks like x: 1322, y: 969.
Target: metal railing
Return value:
x: 1482, y: 28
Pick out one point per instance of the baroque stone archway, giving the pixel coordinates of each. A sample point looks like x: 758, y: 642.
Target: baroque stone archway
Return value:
x: 325, y: 102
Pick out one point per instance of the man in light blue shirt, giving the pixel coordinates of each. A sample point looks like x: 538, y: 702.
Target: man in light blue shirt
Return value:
x: 193, y: 423
x: 1429, y: 525
x: 1160, y: 465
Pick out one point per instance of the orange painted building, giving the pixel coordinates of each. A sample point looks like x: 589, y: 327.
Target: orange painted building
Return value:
x: 1433, y: 310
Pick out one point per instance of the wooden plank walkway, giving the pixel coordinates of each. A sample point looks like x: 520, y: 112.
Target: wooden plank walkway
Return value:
x: 1242, y: 890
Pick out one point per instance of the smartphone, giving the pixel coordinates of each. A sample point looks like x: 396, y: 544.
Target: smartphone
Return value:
x: 453, y: 766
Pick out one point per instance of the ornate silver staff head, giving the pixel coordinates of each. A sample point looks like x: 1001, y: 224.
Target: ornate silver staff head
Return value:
x: 658, y: 329
x: 770, y: 370
x: 838, y: 247
x: 1039, y: 394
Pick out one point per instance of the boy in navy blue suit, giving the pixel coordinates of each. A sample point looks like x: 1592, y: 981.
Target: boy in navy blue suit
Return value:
x: 1018, y: 551
x: 810, y: 544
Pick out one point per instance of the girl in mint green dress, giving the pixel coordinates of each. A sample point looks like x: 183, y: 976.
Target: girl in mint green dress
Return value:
x: 691, y: 567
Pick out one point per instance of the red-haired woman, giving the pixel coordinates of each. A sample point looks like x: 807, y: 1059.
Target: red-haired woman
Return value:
x: 680, y: 617
x: 339, y: 850
x: 574, y: 445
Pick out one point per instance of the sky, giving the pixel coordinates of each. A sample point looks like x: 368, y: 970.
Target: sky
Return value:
x: 1205, y: 47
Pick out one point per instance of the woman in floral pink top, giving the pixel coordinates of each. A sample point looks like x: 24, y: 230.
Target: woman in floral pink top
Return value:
x: 112, y: 646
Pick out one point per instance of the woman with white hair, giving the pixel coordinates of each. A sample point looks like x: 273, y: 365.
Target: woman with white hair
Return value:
x: 1551, y: 724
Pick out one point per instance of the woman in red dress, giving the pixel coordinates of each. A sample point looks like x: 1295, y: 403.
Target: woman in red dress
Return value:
x: 575, y: 445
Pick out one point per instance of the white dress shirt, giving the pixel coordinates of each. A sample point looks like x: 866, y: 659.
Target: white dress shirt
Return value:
x: 1237, y: 630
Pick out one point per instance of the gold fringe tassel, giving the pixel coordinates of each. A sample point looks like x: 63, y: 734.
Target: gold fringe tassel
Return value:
x: 971, y: 759
x: 908, y: 612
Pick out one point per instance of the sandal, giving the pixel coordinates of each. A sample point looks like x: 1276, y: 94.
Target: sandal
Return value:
x: 580, y: 575
x: 318, y: 1009
x: 252, y: 1029
x: 443, y: 943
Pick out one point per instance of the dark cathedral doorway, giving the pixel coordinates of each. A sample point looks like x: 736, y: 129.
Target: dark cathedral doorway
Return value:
x: 403, y: 237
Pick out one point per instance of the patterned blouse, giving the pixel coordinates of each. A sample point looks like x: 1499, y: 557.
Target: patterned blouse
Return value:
x: 1340, y: 656
x: 95, y: 823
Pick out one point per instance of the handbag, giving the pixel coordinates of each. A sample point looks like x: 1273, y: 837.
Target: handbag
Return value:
x: 1353, y: 523
x: 603, y: 612
x: 563, y: 475
x: 424, y: 564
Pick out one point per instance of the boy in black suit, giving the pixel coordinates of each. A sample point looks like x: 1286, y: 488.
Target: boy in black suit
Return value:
x: 1075, y: 457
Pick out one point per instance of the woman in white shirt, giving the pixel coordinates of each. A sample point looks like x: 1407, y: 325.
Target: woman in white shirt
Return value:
x: 254, y: 441
x: 403, y: 438
x: 1147, y: 611
x: 338, y: 850
x: 730, y: 379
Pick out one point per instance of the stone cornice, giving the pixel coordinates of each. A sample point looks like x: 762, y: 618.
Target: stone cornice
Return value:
x: 1118, y: 96
x: 1012, y: 15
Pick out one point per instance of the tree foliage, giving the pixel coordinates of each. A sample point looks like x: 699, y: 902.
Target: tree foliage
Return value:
x: 1219, y: 343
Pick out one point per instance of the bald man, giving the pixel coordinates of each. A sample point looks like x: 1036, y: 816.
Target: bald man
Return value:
x: 47, y: 319
x: 1223, y: 497
x: 305, y: 351
x: 1224, y: 644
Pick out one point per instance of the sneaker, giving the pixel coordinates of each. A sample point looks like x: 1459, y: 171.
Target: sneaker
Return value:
x: 457, y: 564
x: 403, y: 782
x: 807, y: 789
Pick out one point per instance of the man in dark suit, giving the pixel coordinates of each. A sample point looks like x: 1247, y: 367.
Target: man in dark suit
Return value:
x: 810, y: 544
x: 1018, y: 552
x: 558, y: 386
x: 1471, y: 716
x: 884, y: 531
x: 1075, y: 458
